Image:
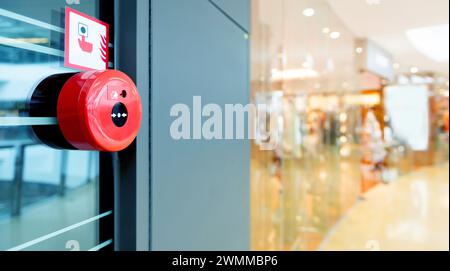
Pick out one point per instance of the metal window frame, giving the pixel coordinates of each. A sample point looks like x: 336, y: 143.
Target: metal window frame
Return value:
x: 130, y: 194
x: 132, y: 57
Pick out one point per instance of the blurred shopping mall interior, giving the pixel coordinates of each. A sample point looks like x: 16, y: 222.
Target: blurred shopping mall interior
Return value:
x: 360, y: 90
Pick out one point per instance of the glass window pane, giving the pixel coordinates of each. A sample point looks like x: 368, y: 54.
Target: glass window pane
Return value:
x: 49, y: 199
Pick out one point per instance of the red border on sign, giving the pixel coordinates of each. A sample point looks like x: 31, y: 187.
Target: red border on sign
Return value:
x: 67, y: 35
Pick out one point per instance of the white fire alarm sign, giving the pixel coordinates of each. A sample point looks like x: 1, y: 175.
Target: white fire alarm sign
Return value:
x: 86, y: 42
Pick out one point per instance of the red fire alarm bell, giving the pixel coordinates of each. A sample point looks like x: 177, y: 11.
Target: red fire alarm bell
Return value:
x: 99, y: 110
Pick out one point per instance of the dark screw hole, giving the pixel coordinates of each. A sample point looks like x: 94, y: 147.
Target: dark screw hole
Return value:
x: 123, y: 94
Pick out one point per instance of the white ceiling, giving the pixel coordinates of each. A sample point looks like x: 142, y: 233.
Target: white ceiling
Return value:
x: 279, y: 26
x: 387, y: 23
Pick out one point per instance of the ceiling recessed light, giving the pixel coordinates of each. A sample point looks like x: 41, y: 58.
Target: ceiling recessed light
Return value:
x: 414, y: 70
x: 309, y: 12
x: 335, y: 35
x: 359, y: 50
x: 326, y: 30
x: 432, y: 41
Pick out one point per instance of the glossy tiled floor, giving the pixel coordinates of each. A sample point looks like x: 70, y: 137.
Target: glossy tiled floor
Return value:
x: 410, y: 214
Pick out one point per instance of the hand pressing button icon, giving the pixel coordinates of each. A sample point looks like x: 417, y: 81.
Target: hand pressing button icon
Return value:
x: 83, y: 31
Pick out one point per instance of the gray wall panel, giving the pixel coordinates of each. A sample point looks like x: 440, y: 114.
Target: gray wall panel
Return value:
x: 200, y: 189
x: 238, y: 10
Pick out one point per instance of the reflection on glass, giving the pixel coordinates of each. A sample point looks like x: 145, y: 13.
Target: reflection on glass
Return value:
x: 300, y: 191
x: 48, y: 197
